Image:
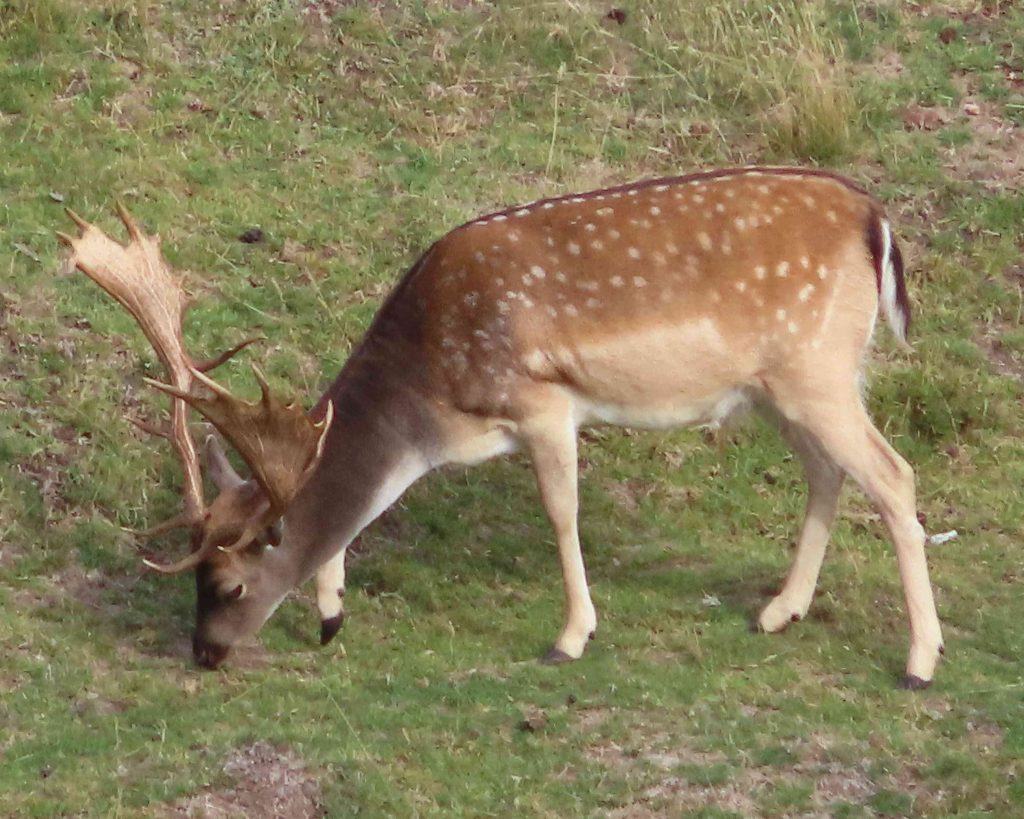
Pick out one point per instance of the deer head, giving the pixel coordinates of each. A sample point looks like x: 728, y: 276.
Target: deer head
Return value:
x: 238, y: 581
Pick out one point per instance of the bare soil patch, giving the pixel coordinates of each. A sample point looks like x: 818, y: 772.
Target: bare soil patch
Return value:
x: 266, y: 781
x: 995, y: 155
x: 1004, y: 360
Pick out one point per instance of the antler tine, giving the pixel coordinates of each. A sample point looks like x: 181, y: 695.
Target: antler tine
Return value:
x: 212, y: 363
x: 78, y: 220
x: 190, y: 561
x: 261, y: 379
x: 129, y: 222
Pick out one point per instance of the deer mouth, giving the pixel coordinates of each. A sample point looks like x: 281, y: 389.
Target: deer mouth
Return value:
x: 208, y: 655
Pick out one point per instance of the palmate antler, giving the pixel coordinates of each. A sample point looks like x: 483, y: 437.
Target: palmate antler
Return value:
x: 279, y: 442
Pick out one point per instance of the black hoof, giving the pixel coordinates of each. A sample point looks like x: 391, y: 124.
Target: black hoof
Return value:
x: 794, y: 618
x: 592, y: 635
x: 911, y: 682
x: 556, y: 657
x: 330, y: 627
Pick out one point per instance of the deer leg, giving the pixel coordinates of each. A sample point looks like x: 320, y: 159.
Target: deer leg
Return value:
x: 844, y: 430
x: 330, y: 589
x: 551, y: 440
x: 824, y: 482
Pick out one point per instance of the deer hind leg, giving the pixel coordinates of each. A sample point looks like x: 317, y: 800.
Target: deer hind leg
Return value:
x: 330, y: 589
x: 550, y: 436
x: 824, y: 482
x: 841, y: 426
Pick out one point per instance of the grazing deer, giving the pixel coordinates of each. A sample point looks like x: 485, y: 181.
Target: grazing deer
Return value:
x: 663, y: 303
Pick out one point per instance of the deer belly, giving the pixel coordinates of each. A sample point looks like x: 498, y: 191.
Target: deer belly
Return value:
x: 685, y: 410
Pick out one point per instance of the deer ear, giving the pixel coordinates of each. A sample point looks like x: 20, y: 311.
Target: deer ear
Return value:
x: 221, y: 472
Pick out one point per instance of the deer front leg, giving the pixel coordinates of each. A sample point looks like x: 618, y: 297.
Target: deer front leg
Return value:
x: 824, y: 482
x: 330, y: 589
x: 551, y: 440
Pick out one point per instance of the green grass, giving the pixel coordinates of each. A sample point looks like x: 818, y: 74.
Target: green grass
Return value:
x: 352, y: 144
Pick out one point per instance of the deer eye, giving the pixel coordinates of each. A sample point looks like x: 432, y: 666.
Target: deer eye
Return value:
x: 237, y: 593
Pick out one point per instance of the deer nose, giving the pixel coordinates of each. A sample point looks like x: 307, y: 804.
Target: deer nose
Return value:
x: 208, y: 655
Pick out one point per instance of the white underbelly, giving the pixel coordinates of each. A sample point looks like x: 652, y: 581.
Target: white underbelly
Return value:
x: 687, y: 411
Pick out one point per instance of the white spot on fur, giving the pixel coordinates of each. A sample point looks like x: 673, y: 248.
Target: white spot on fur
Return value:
x: 780, y: 314
x: 538, y: 271
x: 792, y: 327
x: 573, y: 248
x: 782, y: 269
x: 533, y: 360
x: 760, y: 272
x: 805, y: 292
x: 616, y: 281
x: 822, y: 272
x: 655, y: 210
x: 633, y: 253
x: 639, y: 281
x: 741, y: 286
x: 704, y: 240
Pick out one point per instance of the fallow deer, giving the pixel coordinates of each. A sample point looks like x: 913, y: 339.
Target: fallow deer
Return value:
x: 662, y: 303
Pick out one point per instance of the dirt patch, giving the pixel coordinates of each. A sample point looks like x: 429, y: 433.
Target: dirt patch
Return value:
x: 266, y: 782
x: 995, y: 155
x: 668, y: 774
x: 1003, y: 360
x: 985, y: 737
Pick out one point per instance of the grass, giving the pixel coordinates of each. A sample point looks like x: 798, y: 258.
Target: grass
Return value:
x: 355, y: 134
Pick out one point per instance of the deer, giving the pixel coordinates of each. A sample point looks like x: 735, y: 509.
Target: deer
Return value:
x: 664, y: 303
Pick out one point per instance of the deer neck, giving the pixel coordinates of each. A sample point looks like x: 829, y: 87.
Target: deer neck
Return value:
x: 382, y: 439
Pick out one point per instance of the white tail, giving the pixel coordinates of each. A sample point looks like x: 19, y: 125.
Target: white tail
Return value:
x: 892, y: 291
x: 667, y: 302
